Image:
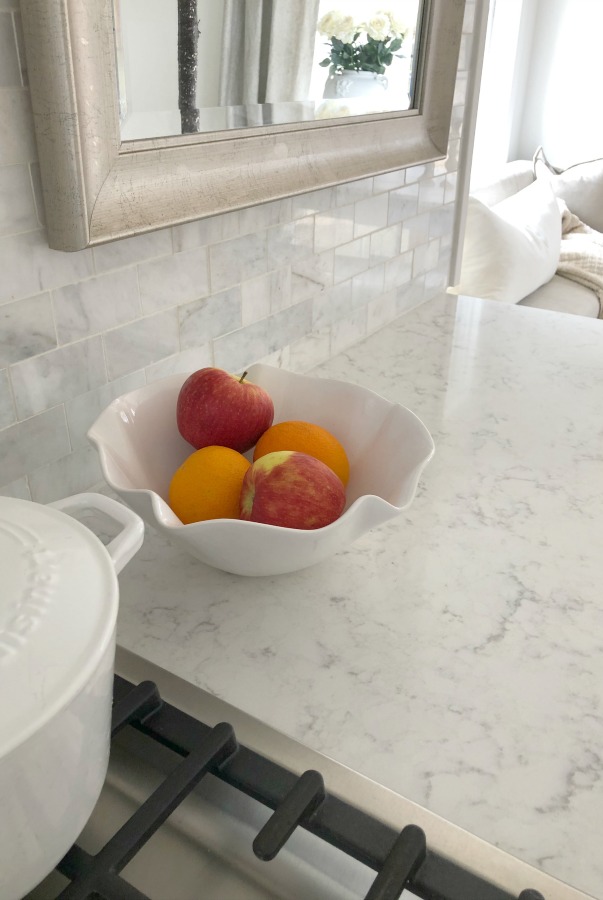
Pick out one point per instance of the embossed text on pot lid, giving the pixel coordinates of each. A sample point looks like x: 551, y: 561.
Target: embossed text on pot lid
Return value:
x: 58, y: 605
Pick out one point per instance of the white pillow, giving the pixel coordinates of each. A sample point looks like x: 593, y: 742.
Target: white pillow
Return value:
x: 513, y: 247
x: 581, y: 186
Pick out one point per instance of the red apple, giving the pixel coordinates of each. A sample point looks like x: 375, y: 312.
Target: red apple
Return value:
x: 291, y: 489
x: 215, y: 407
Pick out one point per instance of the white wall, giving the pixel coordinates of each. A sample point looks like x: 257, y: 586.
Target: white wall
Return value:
x: 503, y: 85
x: 541, y: 84
x: 562, y: 108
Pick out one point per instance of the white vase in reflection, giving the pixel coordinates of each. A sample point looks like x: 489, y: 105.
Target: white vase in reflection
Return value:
x: 354, y: 84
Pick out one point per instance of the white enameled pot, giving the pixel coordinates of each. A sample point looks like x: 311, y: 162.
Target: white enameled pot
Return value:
x: 58, y: 610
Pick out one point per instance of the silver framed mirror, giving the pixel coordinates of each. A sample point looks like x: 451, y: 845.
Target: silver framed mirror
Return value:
x: 98, y: 188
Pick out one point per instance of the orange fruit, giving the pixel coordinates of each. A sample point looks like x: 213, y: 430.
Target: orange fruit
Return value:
x: 305, y: 437
x: 208, y: 485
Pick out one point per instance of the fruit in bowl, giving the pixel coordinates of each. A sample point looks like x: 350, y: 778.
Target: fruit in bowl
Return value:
x: 291, y: 490
x: 387, y: 446
x: 217, y: 408
x: 208, y: 485
x: 305, y: 437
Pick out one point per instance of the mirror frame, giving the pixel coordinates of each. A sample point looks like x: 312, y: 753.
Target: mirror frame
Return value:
x: 98, y: 189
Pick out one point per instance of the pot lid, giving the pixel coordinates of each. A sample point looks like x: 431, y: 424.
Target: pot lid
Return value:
x: 58, y: 608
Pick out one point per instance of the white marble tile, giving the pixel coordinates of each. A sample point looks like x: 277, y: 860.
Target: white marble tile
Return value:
x: 312, y: 202
x: 312, y: 275
x: 419, y: 173
x: 17, y: 208
x: 431, y: 193
x: 353, y: 191
x: 27, y: 445
x: 29, y: 266
x: 51, y: 378
x: 26, y: 329
x: 141, y: 343
x: 381, y: 310
x: 403, y: 203
x: 18, y: 489
x: 236, y: 260
x: 280, y: 359
x: 256, y: 300
x: 212, y: 230
x: 389, y: 181
x: 126, y: 252
x: 440, y: 166
x: 331, y: 306
x: 17, y: 141
x: 437, y: 279
x: 274, y: 286
x: 441, y: 221
x: 71, y: 474
x: 205, y: 319
x: 451, y: 186
x: 370, y: 214
x: 186, y: 361
x: 347, y: 332
x: 310, y: 350
x: 290, y: 242
x: 398, y: 270
x: 173, y: 280
x: 426, y: 257
x: 452, y: 160
x: 83, y: 410
x: 415, y: 231
x: 264, y: 215
x: 10, y: 70
x: 446, y: 246
x: 278, y: 285
x: 96, y: 305
x: 333, y: 227
x: 352, y: 258
x: 238, y: 350
x: 368, y: 285
x: 456, y: 123
x: 7, y: 405
x: 410, y: 295
x: 385, y: 244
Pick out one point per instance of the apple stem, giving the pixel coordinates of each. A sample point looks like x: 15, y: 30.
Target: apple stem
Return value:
x: 242, y: 378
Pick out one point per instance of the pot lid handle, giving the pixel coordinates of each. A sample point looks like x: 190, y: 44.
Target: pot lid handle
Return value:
x: 123, y: 547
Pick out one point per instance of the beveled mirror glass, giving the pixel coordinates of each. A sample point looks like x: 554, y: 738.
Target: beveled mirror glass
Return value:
x: 214, y: 65
x: 98, y: 187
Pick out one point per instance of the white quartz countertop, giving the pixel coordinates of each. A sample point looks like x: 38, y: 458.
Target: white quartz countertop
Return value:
x: 456, y: 653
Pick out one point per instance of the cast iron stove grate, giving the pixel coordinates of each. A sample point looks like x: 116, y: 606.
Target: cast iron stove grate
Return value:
x: 401, y: 860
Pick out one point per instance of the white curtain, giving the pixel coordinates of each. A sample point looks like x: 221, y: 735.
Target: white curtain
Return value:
x: 267, y: 52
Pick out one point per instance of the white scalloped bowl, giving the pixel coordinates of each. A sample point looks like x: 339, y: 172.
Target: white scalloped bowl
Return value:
x: 388, y: 446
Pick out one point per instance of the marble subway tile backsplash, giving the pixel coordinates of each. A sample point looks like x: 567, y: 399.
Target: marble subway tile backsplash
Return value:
x: 77, y: 330
x: 290, y: 282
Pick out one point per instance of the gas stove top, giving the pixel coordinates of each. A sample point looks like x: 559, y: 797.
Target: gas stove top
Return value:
x: 203, y: 801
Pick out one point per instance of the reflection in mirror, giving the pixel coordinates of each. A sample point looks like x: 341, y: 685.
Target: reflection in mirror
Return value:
x: 212, y: 65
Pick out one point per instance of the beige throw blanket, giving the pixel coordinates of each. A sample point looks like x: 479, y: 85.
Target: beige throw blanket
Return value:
x: 581, y: 256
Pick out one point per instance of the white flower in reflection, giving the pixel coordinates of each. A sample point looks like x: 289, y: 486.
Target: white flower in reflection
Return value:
x: 335, y: 24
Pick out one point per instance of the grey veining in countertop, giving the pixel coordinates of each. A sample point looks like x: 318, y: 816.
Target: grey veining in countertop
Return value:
x: 456, y: 653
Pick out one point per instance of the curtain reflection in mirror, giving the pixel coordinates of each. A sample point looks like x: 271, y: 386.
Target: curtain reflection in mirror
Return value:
x: 268, y: 50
